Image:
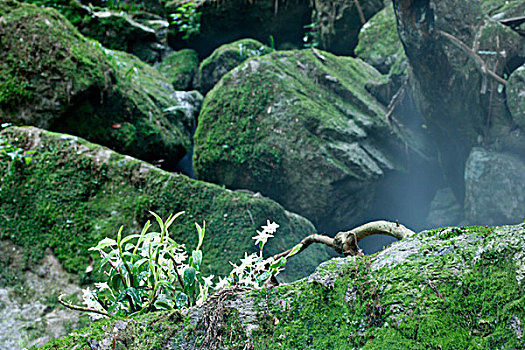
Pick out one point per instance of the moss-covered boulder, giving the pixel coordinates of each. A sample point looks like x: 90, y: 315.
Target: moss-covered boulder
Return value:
x: 379, y: 44
x: 73, y: 194
x: 338, y: 23
x: 224, y: 59
x: 300, y: 127
x: 180, y: 68
x: 52, y: 77
x: 268, y: 21
x: 452, y: 288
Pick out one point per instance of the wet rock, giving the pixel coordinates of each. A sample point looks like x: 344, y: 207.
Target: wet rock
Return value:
x: 445, y: 210
x: 495, y: 191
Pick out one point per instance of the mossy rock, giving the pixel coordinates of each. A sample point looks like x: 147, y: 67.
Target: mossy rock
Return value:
x: 180, y: 68
x: 452, y: 288
x: 379, y: 43
x: 224, y: 59
x: 52, y: 77
x: 74, y: 193
x: 300, y: 127
x: 501, y: 9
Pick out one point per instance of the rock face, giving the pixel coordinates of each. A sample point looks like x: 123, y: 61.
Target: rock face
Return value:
x: 74, y: 193
x: 224, y: 59
x: 339, y: 22
x: 449, y: 46
x: 226, y: 21
x: 54, y: 78
x: 29, y: 311
x: 447, y: 288
x: 516, y: 96
x: 445, y: 210
x: 180, y: 68
x: 495, y: 190
x: 301, y: 128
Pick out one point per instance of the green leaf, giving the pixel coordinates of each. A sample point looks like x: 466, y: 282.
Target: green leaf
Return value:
x: 278, y: 263
x: 171, y: 219
x: 166, y: 284
x: 106, y: 242
x: 107, y: 258
x: 189, y: 276
x: 200, y: 232
x: 128, y: 238
x: 294, y: 250
x: 263, y: 277
x: 181, y: 300
x: 134, y: 294
x: 197, y: 258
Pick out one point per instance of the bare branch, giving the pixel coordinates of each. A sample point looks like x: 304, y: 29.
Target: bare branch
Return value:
x: 478, y: 61
x: 307, y: 241
x: 80, y: 308
x: 360, y: 11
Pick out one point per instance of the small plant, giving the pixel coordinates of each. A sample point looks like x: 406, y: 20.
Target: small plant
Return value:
x: 147, y: 272
x: 187, y: 19
x: 254, y: 269
x: 11, y: 154
x: 311, y: 38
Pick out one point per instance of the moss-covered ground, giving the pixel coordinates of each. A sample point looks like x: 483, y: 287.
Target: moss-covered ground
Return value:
x: 452, y: 288
x: 73, y: 194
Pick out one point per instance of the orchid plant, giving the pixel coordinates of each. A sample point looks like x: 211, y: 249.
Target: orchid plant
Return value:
x: 150, y: 271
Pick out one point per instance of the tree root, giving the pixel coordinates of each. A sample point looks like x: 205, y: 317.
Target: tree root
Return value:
x: 346, y: 242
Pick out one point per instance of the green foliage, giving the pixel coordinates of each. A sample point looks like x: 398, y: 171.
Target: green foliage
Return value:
x: 311, y: 36
x: 187, y: 19
x: 11, y: 154
x: 148, y: 272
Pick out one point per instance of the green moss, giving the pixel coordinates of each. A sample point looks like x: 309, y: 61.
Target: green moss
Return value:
x: 503, y: 8
x: 180, y: 68
x: 74, y: 194
x: 379, y: 43
x: 276, y: 118
x: 106, y: 96
x: 224, y: 59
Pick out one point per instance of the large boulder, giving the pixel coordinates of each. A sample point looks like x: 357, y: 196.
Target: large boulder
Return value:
x: 516, y: 96
x: 73, y: 194
x: 52, y: 77
x: 224, y: 59
x: 221, y: 22
x: 451, y: 48
x: 494, y: 187
x: 338, y: 23
x: 454, y: 288
x: 300, y: 127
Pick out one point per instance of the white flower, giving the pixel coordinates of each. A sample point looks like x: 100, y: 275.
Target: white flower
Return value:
x: 270, y: 228
x: 89, y: 300
x: 180, y: 257
x: 262, y: 265
x: 262, y: 237
x: 249, y: 259
x: 223, y: 283
x: 267, y: 232
x: 237, y: 270
x: 208, y: 281
x: 102, y: 285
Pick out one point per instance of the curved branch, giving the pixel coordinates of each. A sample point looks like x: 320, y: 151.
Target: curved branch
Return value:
x: 80, y: 308
x: 307, y: 241
x: 480, y: 64
x: 346, y: 242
